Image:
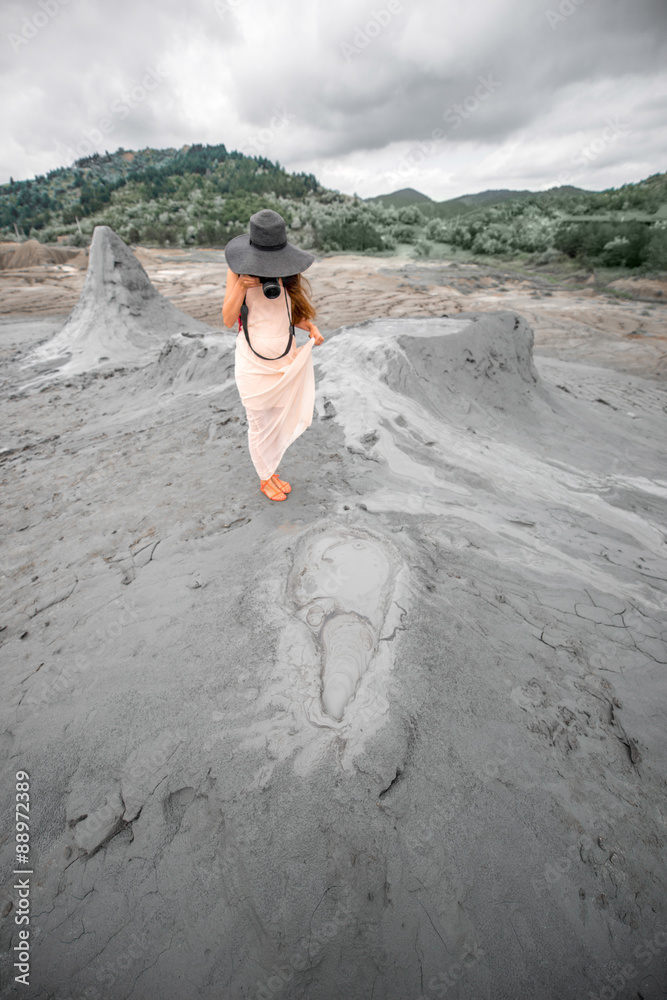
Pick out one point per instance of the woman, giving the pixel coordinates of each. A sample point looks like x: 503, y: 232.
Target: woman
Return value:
x: 275, y: 378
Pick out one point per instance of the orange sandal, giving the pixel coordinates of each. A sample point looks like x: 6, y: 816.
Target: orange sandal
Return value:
x: 276, y: 495
x: 281, y: 483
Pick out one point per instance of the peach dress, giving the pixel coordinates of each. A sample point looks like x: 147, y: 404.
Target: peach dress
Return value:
x: 279, y: 394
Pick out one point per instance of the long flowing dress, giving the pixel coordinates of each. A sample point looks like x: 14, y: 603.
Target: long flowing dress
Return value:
x: 278, y: 394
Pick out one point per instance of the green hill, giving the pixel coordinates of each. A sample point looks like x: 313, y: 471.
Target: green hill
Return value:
x: 463, y: 204
x: 406, y: 196
x: 469, y: 202
x: 148, y: 194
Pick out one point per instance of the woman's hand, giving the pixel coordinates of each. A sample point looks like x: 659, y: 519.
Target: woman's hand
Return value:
x: 315, y: 334
x: 248, y: 281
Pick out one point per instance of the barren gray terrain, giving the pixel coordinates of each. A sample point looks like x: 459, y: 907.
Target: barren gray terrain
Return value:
x: 399, y: 736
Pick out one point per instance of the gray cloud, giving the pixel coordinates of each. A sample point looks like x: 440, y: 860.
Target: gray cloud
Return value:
x: 358, y: 85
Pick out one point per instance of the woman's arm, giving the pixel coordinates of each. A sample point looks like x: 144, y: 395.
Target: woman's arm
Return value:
x: 312, y: 330
x: 237, y: 284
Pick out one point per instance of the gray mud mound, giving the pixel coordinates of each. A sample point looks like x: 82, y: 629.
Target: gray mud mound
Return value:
x: 120, y: 318
x: 198, y: 363
x: 409, y: 389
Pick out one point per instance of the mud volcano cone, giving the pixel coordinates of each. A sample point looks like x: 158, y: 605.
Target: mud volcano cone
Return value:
x: 120, y: 317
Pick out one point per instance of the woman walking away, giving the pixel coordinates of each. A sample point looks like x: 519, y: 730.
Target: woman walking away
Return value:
x: 275, y: 378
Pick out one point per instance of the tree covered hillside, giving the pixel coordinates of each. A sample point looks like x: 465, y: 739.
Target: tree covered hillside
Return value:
x: 197, y: 194
x: 205, y: 195
x: 620, y: 227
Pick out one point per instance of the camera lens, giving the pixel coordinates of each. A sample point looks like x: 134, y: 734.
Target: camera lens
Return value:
x: 271, y: 287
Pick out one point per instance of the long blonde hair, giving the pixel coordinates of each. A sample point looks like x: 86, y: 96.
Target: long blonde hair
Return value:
x: 300, y: 292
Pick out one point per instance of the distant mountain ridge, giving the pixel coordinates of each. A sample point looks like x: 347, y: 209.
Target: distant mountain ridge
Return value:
x: 406, y: 196
x: 452, y: 207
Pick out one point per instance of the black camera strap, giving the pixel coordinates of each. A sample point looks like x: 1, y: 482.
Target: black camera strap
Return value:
x: 244, y: 321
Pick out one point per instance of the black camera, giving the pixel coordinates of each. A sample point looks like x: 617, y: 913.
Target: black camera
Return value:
x: 270, y: 287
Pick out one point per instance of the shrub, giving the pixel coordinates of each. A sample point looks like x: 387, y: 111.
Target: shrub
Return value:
x: 437, y: 230
x: 340, y: 234
x: 404, y: 233
x: 410, y: 215
x: 615, y: 252
x: 656, y: 251
x: 423, y: 247
x: 605, y: 242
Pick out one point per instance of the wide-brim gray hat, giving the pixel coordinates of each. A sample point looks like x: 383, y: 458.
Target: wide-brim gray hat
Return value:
x: 264, y: 251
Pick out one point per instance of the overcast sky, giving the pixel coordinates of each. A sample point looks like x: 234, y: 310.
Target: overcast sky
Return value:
x: 446, y: 96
